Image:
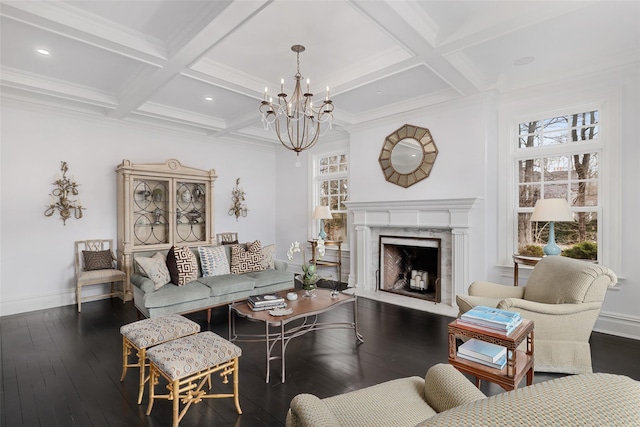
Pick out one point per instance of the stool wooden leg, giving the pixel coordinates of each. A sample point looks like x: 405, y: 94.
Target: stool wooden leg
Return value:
x: 236, y: 394
x: 142, y: 357
x: 126, y: 350
x: 176, y: 403
x: 153, y: 378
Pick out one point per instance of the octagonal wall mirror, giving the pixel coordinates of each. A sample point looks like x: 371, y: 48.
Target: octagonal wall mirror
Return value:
x: 408, y: 155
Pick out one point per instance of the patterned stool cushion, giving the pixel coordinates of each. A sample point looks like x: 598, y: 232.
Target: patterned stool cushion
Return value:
x: 149, y: 332
x: 189, y: 355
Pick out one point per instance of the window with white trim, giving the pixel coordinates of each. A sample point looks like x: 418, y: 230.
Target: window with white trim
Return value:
x: 332, y: 189
x: 559, y: 157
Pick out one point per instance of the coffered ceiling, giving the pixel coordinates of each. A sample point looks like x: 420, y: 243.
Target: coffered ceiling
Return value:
x: 157, y: 61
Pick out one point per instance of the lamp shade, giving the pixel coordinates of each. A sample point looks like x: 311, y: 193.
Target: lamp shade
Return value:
x: 551, y: 210
x: 322, y: 212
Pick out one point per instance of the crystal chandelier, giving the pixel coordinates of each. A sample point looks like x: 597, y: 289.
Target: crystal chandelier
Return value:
x: 295, y: 120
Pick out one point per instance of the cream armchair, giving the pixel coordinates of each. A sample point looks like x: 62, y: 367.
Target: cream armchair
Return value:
x: 563, y: 297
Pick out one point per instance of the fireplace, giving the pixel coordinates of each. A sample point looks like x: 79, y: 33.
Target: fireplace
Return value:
x: 410, y: 266
x: 447, y: 221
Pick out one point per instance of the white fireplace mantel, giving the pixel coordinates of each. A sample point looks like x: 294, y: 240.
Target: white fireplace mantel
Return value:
x: 412, y: 217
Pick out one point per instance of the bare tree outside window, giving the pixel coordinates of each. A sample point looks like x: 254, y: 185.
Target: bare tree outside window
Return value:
x: 333, y: 190
x: 552, y: 164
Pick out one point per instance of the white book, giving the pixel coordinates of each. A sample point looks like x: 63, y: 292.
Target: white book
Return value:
x: 498, y: 365
x: 482, y: 350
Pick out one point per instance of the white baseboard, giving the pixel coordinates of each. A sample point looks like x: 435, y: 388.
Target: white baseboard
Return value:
x: 28, y: 303
x: 617, y: 324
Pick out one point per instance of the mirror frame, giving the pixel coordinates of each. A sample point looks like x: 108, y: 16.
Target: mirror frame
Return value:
x: 429, y: 154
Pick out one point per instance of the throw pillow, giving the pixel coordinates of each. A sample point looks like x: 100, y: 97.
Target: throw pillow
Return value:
x: 155, y: 268
x: 97, y: 260
x: 214, y: 261
x: 255, y: 246
x: 182, y: 265
x: 269, y: 256
x: 245, y: 261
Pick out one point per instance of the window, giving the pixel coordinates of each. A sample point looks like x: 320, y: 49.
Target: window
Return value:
x: 559, y: 157
x: 332, y: 189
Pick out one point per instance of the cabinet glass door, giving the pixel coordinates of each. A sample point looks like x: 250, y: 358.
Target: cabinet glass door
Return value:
x: 191, y: 198
x: 150, y: 212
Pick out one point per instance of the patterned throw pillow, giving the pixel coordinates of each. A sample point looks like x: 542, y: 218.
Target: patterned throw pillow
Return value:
x: 155, y: 268
x: 269, y: 256
x: 246, y: 260
x: 214, y: 261
x: 182, y: 265
x: 97, y: 260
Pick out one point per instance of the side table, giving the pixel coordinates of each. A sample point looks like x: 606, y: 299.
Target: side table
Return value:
x: 524, y: 260
x: 519, y: 363
x: 325, y: 263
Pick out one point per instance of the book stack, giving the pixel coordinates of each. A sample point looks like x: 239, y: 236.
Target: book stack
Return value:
x: 485, y: 353
x: 491, y: 319
x: 266, y: 302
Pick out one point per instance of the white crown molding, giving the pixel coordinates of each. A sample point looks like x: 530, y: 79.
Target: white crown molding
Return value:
x: 67, y: 20
x: 178, y: 115
x: 64, y: 90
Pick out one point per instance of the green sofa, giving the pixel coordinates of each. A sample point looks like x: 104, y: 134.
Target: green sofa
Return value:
x: 446, y: 398
x: 205, y: 293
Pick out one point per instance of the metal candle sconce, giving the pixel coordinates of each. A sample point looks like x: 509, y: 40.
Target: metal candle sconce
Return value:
x: 238, y: 208
x: 65, y: 188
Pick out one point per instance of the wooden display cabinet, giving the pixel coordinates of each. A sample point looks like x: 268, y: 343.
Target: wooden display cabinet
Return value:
x: 161, y: 205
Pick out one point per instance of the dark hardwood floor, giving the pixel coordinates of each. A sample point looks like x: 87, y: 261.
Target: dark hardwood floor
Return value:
x: 61, y: 368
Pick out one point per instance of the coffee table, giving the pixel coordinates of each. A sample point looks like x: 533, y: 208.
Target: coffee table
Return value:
x: 519, y: 363
x: 281, y: 329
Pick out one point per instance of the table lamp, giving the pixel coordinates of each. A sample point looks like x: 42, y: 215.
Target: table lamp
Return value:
x: 551, y: 210
x: 322, y: 213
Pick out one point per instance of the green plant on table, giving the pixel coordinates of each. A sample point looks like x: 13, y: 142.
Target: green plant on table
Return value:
x: 309, y: 276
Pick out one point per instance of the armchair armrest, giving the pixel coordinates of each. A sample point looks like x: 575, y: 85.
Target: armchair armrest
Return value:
x: 445, y: 387
x: 280, y: 265
x: 494, y: 290
x: 307, y: 410
x: 547, y: 309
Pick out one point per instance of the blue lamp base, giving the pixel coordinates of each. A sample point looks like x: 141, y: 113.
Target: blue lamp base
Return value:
x: 551, y: 248
x: 322, y: 235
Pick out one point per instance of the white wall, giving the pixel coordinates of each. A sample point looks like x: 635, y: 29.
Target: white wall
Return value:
x: 37, y: 252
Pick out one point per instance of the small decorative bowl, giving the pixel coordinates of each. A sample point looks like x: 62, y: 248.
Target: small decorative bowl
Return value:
x: 292, y: 296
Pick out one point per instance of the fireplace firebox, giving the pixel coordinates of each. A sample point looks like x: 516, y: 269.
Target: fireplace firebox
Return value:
x: 410, y: 266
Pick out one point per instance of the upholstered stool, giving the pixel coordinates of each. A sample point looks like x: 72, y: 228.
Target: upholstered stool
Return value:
x: 187, y: 363
x: 146, y: 333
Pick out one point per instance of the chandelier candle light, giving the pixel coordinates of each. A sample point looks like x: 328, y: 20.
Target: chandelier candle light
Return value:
x: 552, y: 210
x: 296, y: 122
x: 309, y: 276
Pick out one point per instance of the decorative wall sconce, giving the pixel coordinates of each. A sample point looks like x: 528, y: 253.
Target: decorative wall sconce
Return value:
x: 238, y: 207
x: 65, y: 187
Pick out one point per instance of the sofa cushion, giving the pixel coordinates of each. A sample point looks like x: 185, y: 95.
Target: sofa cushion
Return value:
x: 227, y: 284
x: 213, y: 260
x: 97, y: 260
x: 269, y: 277
x: 182, y: 265
x: 269, y: 256
x: 155, y: 268
x: 171, y: 294
x: 246, y: 260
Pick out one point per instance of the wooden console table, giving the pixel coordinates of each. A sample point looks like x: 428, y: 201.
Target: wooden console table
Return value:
x: 325, y: 263
x: 519, y: 363
x: 524, y: 260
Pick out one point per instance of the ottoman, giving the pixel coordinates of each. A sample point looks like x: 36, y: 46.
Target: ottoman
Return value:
x: 146, y: 333
x: 187, y: 364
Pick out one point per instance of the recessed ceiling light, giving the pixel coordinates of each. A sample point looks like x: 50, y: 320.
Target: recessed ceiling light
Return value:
x: 208, y: 98
x: 44, y: 52
x: 525, y: 60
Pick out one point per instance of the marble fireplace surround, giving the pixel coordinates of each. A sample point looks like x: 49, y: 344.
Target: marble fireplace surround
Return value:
x: 447, y: 219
